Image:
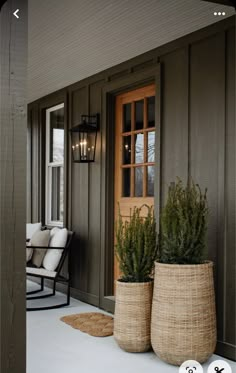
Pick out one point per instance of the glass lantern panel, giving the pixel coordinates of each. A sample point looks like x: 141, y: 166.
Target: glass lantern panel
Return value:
x: 87, y: 146
x: 75, y: 138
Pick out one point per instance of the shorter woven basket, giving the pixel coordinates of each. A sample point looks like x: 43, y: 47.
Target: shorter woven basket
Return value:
x: 133, y: 316
x: 183, y: 325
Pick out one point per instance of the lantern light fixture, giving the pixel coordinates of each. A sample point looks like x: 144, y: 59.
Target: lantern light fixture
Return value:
x: 84, y: 138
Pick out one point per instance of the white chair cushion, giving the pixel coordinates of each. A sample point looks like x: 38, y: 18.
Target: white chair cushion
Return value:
x: 40, y: 272
x: 29, y: 252
x: 53, y: 231
x: 53, y: 256
x: 40, y: 238
x: 31, y: 229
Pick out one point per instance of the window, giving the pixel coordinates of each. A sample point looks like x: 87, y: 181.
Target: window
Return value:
x: 54, y: 190
x: 138, y: 138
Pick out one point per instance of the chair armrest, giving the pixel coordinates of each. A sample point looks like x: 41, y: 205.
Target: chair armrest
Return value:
x: 45, y: 247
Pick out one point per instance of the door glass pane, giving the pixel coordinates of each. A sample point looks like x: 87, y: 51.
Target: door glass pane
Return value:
x: 126, y: 182
x: 150, y: 183
x: 138, y: 181
x: 126, y: 149
x: 139, y: 115
x: 151, y: 146
x: 139, y: 148
x: 151, y: 111
x: 127, y: 118
x: 56, y: 135
x: 57, y: 186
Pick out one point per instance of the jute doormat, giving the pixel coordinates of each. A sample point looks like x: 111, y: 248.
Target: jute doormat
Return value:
x: 94, y: 323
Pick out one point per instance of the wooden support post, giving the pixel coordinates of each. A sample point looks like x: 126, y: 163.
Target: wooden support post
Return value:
x: 13, y: 55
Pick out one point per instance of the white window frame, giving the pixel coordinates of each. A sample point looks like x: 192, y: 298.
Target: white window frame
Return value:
x: 48, y: 168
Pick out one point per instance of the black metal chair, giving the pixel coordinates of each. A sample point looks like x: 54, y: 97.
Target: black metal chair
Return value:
x: 55, y: 276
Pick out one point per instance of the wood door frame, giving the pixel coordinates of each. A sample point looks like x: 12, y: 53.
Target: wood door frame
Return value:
x: 110, y: 91
x: 127, y: 202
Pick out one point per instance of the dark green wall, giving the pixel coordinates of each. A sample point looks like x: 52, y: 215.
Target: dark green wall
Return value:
x: 195, y: 115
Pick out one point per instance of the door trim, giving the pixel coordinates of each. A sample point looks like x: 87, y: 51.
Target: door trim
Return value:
x: 110, y: 91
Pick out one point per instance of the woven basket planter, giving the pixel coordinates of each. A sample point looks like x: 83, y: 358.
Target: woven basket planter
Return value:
x: 183, y: 325
x: 132, y: 319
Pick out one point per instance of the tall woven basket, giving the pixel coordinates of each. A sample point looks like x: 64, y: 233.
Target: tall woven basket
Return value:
x: 133, y: 316
x: 183, y: 324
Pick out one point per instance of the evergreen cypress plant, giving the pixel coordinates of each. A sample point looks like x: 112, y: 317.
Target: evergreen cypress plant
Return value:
x: 183, y: 225
x: 136, y: 251
x: 136, y: 245
x: 183, y: 294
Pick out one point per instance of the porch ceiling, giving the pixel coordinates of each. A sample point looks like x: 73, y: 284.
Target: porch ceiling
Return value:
x: 71, y: 40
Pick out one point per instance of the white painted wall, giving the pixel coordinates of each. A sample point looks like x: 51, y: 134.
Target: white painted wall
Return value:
x: 72, y: 39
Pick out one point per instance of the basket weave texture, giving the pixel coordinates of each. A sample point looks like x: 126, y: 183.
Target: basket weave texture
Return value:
x: 132, y: 319
x: 183, y: 324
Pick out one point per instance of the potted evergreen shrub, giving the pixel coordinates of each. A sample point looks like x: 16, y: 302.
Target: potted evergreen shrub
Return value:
x: 136, y: 251
x: 183, y: 323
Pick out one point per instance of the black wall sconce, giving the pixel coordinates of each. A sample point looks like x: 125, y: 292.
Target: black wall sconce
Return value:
x: 84, y: 138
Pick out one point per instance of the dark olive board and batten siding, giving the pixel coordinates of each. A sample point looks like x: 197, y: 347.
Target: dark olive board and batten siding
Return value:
x: 195, y: 124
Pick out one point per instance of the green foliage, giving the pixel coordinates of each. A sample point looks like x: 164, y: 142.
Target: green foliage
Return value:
x: 183, y: 225
x: 136, y: 246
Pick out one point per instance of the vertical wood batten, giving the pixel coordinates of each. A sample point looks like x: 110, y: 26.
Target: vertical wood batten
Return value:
x: 132, y: 170
x: 36, y: 162
x: 145, y: 143
x: 158, y: 144
x: 221, y: 208
x: 80, y: 195
x: 174, y: 121
x: 70, y: 161
x: 188, y: 51
x: 230, y: 195
x: 207, y: 144
x: 94, y: 199
x: 13, y: 135
x: 29, y: 168
x: 67, y: 152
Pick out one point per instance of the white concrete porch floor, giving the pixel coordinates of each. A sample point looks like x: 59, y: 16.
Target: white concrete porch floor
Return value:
x: 54, y: 347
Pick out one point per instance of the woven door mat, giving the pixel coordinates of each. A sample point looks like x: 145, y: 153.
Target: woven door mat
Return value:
x: 94, y: 323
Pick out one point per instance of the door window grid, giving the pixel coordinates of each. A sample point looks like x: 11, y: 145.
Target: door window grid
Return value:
x: 138, y: 148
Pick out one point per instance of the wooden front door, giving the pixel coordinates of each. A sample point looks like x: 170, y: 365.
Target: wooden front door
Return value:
x: 134, y: 152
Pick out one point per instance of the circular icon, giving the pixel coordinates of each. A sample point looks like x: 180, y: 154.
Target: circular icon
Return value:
x: 219, y: 366
x: 191, y: 366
